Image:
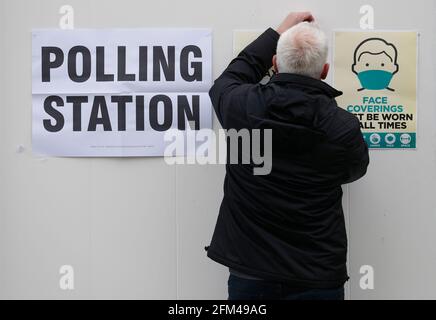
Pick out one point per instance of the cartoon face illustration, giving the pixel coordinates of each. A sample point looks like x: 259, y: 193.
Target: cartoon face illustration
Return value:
x: 375, y: 63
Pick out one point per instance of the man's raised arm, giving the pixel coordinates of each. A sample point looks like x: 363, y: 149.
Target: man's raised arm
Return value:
x: 251, y: 65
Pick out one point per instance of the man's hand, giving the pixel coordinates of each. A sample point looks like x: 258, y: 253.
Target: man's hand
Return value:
x: 293, y: 19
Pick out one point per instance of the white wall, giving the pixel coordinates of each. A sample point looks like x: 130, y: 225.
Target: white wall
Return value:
x: 136, y: 228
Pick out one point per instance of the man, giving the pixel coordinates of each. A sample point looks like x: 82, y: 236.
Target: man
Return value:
x: 283, y: 235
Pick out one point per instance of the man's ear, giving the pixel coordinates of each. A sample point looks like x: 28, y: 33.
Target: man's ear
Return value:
x: 274, y: 62
x: 325, y: 71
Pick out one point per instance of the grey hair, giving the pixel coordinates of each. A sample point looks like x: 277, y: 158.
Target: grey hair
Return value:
x: 302, y: 49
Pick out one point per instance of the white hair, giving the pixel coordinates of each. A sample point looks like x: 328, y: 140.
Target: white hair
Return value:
x: 302, y: 50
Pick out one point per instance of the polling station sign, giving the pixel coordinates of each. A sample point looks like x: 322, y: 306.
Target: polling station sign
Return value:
x: 116, y: 92
x: 377, y: 71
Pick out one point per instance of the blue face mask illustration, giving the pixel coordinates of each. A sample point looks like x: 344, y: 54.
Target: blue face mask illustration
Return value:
x: 375, y: 79
x: 375, y: 64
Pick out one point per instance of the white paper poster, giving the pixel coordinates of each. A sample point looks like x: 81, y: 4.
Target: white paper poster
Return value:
x: 116, y: 92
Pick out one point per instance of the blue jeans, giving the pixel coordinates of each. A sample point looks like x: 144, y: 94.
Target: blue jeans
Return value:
x: 245, y: 289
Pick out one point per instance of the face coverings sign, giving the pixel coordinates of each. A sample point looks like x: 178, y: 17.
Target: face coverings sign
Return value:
x: 116, y: 92
x: 377, y: 71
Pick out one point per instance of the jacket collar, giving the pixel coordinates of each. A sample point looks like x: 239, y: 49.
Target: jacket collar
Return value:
x: 306, y: 81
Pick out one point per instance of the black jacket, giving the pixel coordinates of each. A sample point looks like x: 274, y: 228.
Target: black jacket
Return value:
x: 289, y: 225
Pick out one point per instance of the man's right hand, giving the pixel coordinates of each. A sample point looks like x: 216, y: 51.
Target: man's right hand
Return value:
x: 293, y: 19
